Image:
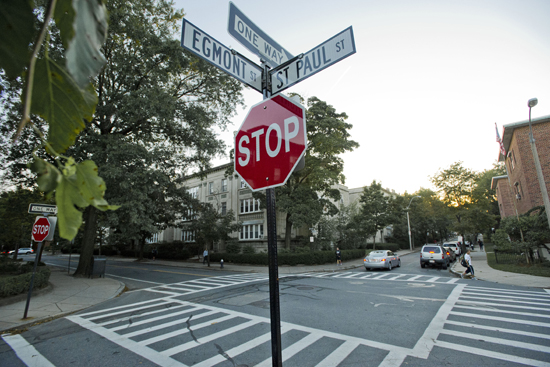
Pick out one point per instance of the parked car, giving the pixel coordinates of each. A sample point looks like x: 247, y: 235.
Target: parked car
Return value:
x: 382, y: 259
x: 450, y: 253
x: 434, y: 255
x: 454, y: 246
x: 23, y: 250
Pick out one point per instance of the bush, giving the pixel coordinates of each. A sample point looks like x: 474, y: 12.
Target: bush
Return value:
x: 249, y: 249
x: 17, y: 284
x: 232, y: 248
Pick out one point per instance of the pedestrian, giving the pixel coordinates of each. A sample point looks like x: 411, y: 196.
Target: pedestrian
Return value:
x: 480, y: 243
x: 204, y: 256
x: 338, y: 257
x: 155, y: 253
x: 470, y: 268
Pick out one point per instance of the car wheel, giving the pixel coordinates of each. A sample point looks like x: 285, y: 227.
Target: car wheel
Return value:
x: 389, y: 265
x: 422, y: 265
x: 367, y: 269
x: 399, y: 264
x: 444, y: 266
x: 28, y: 252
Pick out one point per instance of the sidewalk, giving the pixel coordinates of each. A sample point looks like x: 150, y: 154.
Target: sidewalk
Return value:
x: 64, y: 296
x: 483, y: 271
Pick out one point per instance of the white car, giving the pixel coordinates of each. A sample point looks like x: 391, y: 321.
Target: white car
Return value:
x: 453, y: 245
x: 23, y: 251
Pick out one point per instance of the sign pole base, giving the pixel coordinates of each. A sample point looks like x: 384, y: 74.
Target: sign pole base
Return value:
x: 32, y: 280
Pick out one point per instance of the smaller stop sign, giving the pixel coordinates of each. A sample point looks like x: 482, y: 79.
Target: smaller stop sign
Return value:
x: 40, y: 229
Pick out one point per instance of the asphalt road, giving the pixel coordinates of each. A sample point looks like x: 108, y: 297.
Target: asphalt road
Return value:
x: 405, y: 317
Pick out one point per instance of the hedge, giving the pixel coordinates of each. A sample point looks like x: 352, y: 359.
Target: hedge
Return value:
x: 13, y: 285
x: 304, y: 258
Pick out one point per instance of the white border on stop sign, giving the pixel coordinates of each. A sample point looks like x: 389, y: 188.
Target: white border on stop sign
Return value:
x: 293, y: 101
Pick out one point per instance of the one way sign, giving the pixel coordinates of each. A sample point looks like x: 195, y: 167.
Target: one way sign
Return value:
x: 321, y: 57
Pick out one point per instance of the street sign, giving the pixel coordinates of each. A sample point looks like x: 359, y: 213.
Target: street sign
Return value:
x: 254, y: 39
x: 40, y: 229
x: 321, y: 57
x: 270, y: 142
x: 42, y: 209
x: 230, y: 61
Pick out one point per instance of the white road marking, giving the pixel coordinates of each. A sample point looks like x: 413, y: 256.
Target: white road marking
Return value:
x: 26, y: 352
x: 339, y: 354
x: 488, y: 339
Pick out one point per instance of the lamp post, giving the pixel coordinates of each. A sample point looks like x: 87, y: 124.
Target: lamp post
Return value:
x: 532, y: 103
x: 409, y: 221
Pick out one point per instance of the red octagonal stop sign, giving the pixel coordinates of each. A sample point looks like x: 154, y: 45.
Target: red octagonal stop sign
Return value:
x: 270, y: 142
x: 41, y: 229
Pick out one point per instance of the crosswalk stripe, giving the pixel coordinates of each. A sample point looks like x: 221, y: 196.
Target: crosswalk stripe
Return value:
x: 499, y: 329
x: 491, y: 354
x: 397, y: 277
x: 495, y: 304
x: 153, y: 319
x: 432, y: 280
x: 340, y: 275
x: 507, y: 300
x: 183, y: 347
x: 498, y: 296
x: 139, y: 315
x: 489, y: 339
x: 338, y: 355
x: 503, y: 319
x: 291, y: 350
x: 506, y: 291
x: 132, y: 305
x: 121, y: 311
x: 414, y: 278
x: 454, y: 280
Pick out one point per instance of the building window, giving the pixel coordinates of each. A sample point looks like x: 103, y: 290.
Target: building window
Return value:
x: 153, y: 239
x: 243, y: 184
x: 224, y: 185
x: 250, y: 206
x: 252, y: 232
x: 224, y: 208
x: 518, y: 191
x: 194, y: 192
x: 211, y: 188
x: 188, y: 236
x: 512, y: 160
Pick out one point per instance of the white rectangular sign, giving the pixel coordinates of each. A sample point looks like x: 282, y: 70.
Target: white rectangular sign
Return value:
x: 209, y: 49
x: 42, y: 209
x: 254, y: 39
x: 326, y: 54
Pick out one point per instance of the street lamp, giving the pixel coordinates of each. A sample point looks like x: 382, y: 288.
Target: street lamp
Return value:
x: 532, y: 103
x: 409, y: 221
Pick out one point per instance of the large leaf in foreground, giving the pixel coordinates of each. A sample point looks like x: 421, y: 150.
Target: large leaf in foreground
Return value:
x: 65, y: 106
x: 80, y: 186
x: 16, y: 33
x: 84, y: 58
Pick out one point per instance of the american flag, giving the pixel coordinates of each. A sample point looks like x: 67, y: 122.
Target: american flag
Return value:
x: 499, y: 141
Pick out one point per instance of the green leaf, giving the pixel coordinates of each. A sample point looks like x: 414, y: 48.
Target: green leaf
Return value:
x: 58, y: 99
x: 84, y: 58
x: 91, y: 186
x: 80, y: 186
x: 48, y: 175
x: 16, y: 30
x: 64, y: 18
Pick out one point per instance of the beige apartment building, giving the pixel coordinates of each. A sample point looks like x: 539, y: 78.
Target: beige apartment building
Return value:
x: 228, y: 192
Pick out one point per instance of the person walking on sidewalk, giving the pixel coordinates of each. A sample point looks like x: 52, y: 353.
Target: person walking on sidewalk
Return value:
x: 205, y: 256
x: 470, y: 268
x: 338, y: 257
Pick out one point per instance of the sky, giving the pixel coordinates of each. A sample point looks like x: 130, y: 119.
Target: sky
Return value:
x: 427, y: 84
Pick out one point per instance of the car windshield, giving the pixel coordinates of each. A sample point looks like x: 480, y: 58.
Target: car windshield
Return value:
x: 377, y: 254
x: 433, y: 249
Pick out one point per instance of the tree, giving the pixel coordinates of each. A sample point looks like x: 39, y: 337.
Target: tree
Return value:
x: 377, y: 211
x: 157, y: 109
x: 310, y: 193
x: 211, y: 226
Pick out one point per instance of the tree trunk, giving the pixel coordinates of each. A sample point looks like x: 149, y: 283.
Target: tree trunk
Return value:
x: 141, y: 247
x: 288, y: 231
x: 84, y: 268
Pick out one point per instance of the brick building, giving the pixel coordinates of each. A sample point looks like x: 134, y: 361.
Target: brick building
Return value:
x: 523, y: 189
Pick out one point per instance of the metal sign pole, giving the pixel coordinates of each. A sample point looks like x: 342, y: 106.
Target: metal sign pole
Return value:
x: 32, y: 280
x: 274, y: 306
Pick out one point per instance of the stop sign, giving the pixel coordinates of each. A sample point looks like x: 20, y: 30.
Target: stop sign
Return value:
x: 270, y: 142
x: 40, y: 229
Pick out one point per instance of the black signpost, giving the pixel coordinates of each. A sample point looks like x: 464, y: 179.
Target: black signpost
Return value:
x: 287, y: 71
